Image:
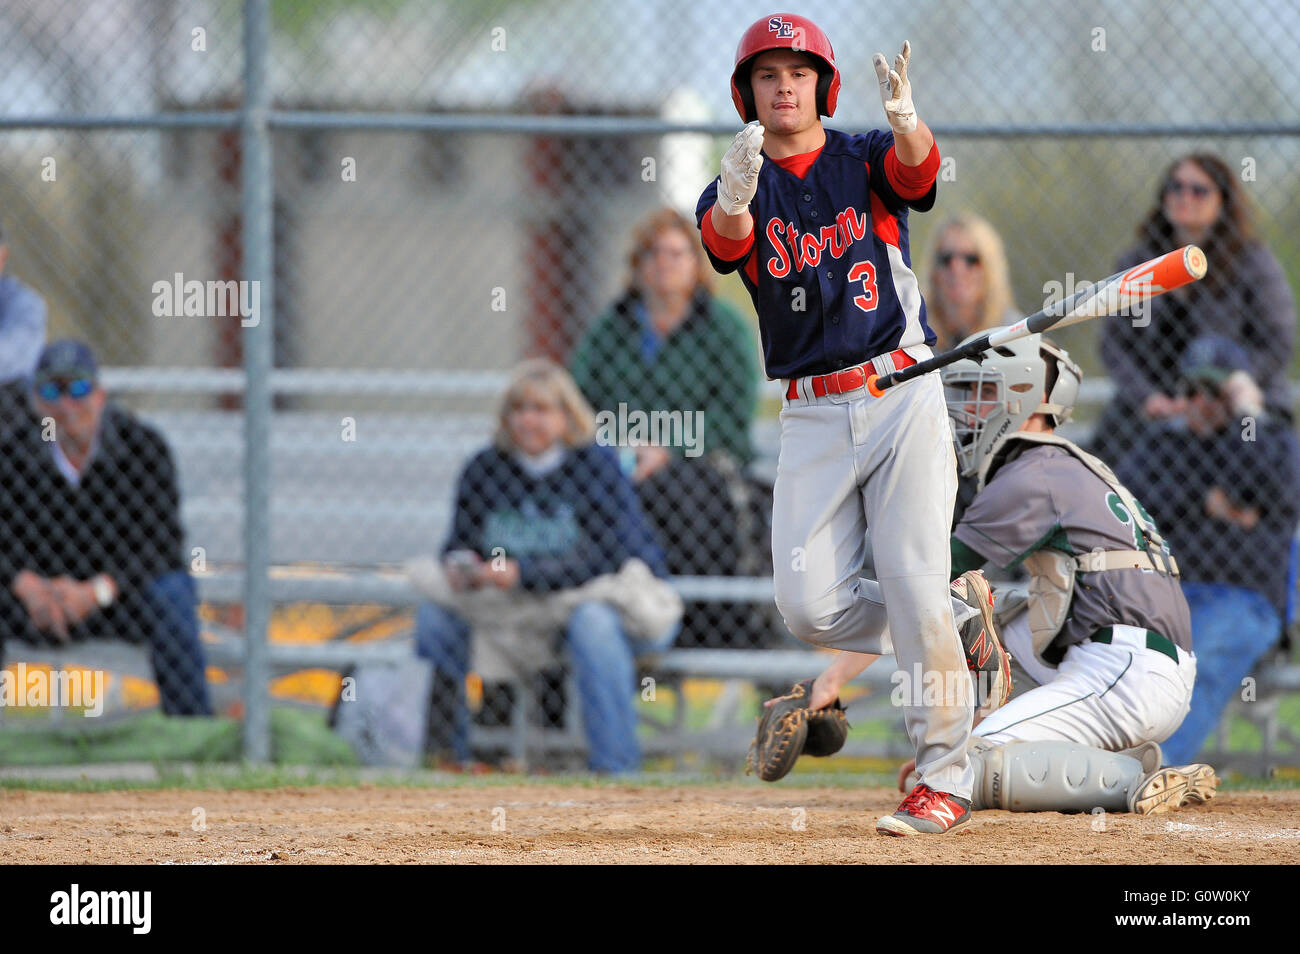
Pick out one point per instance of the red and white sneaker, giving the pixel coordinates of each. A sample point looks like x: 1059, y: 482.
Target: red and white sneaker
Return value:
x: 988, y: 660
x: 926, y: 812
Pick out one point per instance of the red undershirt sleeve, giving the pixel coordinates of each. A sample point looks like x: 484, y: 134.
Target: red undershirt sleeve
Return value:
x: 912, y: 182
x: 726, y: 249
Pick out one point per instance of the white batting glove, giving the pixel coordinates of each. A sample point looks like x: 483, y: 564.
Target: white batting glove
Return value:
x: 896, y: 90
x: 740, y: 166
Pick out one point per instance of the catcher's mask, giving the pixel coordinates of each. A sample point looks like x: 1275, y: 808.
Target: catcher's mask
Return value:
x: 988, y: 401
x: 785, y: 31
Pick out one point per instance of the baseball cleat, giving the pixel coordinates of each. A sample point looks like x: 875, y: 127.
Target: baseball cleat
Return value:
x: 985, y: 654
x: 1173, y: 787
x: 926, y: 812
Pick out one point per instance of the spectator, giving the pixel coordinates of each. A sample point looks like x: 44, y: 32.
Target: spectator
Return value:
x: 970, y: 282
x: 541, y: 513
x: 22, y: 335
x: 90, y: 530
x: 1228, y: 490
x: 970, y: 291
x: 668, y: 345
x: 1244, y: 297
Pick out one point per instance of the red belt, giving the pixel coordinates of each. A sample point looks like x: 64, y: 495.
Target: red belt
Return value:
x: 850, y: 379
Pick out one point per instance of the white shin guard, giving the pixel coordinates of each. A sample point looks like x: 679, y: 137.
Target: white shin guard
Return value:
x: 1056, y: 776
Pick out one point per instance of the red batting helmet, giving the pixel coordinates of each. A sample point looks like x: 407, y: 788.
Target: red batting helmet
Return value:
x: 785, y: 31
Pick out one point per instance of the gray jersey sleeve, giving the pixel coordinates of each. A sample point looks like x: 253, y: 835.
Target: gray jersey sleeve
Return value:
x: 1014, y: 515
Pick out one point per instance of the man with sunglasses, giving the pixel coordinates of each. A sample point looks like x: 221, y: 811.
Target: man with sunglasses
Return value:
x: 90, y: 530
x: 22, y: 335
x: 1225, y: 480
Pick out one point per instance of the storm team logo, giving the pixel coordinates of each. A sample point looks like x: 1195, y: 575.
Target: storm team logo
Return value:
x: 791, y: 249
x: 788, y: 245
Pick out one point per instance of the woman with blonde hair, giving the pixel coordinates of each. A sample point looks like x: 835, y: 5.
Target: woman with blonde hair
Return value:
x: 543, y: 511
x: 970, y: 282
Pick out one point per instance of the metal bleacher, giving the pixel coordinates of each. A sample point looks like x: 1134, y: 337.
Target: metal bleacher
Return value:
x: 346, y: 513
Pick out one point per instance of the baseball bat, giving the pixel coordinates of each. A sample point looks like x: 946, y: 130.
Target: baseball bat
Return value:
x: 1140, y: 283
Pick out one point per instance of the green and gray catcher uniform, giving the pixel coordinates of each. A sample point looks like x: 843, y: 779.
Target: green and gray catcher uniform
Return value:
x: 1106, y: 631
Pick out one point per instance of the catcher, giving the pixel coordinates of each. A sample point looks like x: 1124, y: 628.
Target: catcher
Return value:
x: 1102, y: 628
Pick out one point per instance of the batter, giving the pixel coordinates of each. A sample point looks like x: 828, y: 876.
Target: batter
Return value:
x: 816, y: 223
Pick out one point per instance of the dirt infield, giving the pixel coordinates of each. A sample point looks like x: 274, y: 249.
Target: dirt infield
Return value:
x: 553, y: 823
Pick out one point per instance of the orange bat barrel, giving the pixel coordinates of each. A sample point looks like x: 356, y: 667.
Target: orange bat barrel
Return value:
x: 1122, y: 290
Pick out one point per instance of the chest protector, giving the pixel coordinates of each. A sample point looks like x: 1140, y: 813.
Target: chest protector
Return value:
x: 1051, y: 572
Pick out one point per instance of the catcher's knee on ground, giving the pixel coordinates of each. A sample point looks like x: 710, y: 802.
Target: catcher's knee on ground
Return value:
x: 1057, y: 776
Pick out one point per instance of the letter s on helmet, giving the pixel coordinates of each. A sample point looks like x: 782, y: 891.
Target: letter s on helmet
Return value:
x: 785, y: 31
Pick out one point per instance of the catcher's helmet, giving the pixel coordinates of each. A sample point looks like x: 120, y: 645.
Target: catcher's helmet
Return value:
x: 785, y: 31
x: 981, y: 424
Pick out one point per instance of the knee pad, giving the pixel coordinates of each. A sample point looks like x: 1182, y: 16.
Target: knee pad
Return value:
x: 1052, y: 777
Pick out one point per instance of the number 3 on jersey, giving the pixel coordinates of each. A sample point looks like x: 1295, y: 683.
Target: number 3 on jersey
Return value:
x: 865, y: 272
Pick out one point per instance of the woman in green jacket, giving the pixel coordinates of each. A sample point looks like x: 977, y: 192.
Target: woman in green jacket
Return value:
x: 668, y: 345
x: 672, y: 372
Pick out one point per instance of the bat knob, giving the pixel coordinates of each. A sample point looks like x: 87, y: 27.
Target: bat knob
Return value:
x: 873, y: 388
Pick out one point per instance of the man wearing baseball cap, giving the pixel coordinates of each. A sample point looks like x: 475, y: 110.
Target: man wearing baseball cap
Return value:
x: 1227, y: 487
x: 90, y: 530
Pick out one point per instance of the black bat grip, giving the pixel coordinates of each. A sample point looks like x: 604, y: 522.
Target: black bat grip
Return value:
x: 971, y: 349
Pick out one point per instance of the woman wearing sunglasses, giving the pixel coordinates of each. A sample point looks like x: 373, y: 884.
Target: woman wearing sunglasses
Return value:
x: 1244, y: 297
x: 970, y: 283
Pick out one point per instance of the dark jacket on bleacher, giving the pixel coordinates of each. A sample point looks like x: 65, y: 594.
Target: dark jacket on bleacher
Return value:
x: 1173, y: 474
x: 571, y: 525
x: 123, y: 519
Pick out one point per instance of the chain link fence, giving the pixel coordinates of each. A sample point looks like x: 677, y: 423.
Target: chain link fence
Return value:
x: 309, y: 244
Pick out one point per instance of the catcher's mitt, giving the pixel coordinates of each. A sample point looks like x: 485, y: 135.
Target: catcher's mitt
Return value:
x: 789, y: 729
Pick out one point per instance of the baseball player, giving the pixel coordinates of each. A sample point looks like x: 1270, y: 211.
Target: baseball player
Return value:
x: 1103, y: 627
x: 815, y: 221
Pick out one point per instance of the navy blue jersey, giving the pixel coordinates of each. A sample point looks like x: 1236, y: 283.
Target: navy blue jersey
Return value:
x: 829, y: 269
